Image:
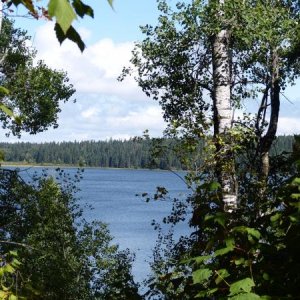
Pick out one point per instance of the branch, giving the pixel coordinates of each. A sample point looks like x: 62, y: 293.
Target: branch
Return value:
x: 16, y: 244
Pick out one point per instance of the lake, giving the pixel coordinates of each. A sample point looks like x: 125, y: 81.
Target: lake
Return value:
x: 112, y: 194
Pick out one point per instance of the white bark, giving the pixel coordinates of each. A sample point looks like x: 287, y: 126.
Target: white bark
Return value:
x: 223, y: 115
x: 222, y: 80
x: 1, y: 14
x: 1, y: 19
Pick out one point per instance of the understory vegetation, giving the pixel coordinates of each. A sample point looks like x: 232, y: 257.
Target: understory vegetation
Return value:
x: 48, y: 249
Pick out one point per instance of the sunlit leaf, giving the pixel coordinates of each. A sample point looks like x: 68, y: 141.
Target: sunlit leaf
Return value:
x: 110, y: 2
x: 63, y: 13
x: 3, y: 91
x: 244, y: 285
x: 12, y: 297
x: 201, y: 275
x: 7, y: 110
x: 221, y: 275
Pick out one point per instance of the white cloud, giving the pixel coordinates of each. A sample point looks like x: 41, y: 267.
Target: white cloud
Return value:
x: 93, y: 71
x: 288, y: 126
x: 105, y: 108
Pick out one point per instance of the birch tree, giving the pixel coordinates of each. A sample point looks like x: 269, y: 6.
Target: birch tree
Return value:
x: 223, y: 115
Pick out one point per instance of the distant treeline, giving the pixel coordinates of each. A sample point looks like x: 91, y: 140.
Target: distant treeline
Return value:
x: 112, y: 153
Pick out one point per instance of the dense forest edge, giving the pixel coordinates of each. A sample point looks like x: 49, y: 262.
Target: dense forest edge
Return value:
x: 133, y: 153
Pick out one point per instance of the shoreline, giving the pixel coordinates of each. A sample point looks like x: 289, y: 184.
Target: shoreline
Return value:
x: 49, y: 165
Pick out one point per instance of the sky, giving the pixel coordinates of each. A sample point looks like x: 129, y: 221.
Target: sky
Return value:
x: 104, y: 107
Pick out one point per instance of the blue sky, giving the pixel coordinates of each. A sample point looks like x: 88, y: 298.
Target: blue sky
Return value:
x: 106, y: 108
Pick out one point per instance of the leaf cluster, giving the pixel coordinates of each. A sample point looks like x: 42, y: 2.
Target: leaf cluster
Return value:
x: 64, y: 12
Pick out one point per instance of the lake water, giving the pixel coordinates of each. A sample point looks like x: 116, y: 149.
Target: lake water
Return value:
x: 112, y: 194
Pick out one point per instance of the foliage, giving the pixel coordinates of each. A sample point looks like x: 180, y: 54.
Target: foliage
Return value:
x: 236, y: 254
x: 35, y: 92
x: 8, y: 273
x: 251, y: 253
x: 61, y: 255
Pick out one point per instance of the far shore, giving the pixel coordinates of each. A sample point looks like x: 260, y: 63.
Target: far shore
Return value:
x: 49, y: 165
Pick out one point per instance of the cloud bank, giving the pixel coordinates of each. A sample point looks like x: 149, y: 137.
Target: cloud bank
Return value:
x: 104, y: 108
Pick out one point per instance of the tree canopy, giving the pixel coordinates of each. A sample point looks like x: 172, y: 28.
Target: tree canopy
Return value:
x: 35, y: 92
x: 202, y: 62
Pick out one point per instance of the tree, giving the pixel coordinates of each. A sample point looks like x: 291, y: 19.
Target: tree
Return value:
x: 35, y: 92
x: 186, y: 63
x: 206, y: 55
x: 222, y: 110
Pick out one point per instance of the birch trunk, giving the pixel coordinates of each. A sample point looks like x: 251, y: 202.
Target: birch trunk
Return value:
x: 1, y: 14
x: 223, y: 117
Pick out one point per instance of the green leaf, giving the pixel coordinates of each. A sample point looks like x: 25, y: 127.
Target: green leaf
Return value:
x: 266, y: 276
x: 239, y: 261
x: 9, y: 268
x: 3, y: 91
x: 251, y: 231
x: 295, y: 196
x: 221, y: 275
x: 248, y: 296
x: 82, y: 9
x: 296, y: 181
x: 13, y: 253
x: 71, y: 34
x: 7, y: 110
x: 275, y: 217
x: 223, y: 251
x: 204, y: 294
x: 110, y: 2
x: 230, y: 244
x: 294, y: 218
x: 27, y: 3
x: 213, y: 186
x: 201, y: 275
x: 244, y: 285
x: 201, y: 259
x: 63, y: 13
x: 219, y: 218
x: 16, y: 263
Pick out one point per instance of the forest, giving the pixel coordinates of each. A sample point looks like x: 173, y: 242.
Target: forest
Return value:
x: 134, y: 153
x: 202, y: 62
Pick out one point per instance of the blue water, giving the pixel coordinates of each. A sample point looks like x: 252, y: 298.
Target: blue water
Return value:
x: 112, y: 194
